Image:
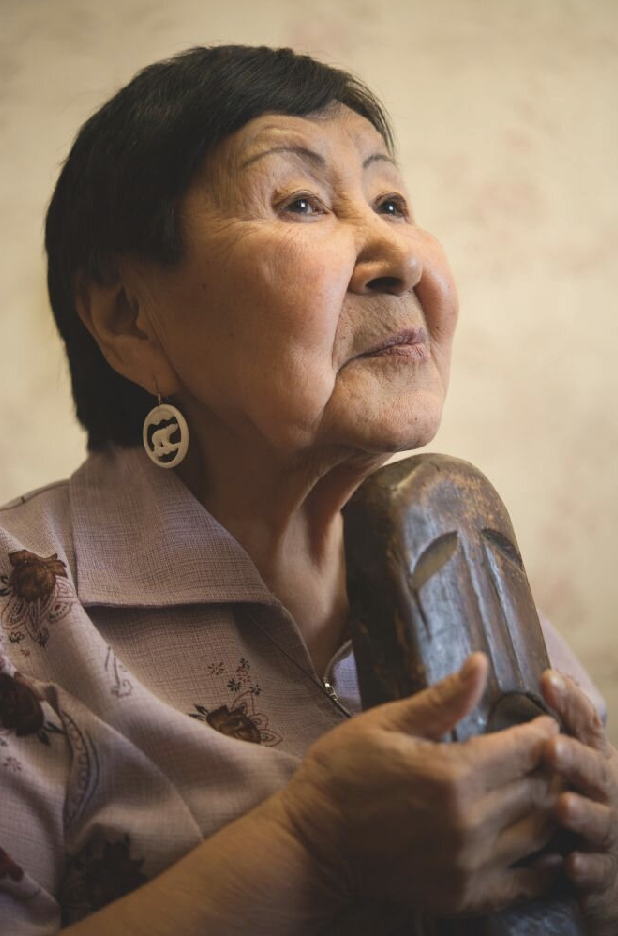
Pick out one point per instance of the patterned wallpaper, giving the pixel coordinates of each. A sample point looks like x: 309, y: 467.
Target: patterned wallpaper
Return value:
x: 508, y: 133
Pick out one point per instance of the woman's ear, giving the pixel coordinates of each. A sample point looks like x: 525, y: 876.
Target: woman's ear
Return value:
x: 114, y: 319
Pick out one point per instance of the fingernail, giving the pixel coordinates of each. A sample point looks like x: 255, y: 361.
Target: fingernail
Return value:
x: 555, y: 680
x: 576, y: 865
x: 470, y: 666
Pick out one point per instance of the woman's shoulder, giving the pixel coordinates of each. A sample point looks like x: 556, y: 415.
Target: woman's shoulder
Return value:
x: 38, y: 522
x: 44, y: 521
x: 48, y: 493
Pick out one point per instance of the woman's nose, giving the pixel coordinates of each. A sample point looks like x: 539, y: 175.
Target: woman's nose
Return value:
x: 388, y: 261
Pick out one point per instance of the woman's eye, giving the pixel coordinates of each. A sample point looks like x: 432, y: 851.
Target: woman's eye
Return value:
x: 393, y: 205
x: 305, y: 205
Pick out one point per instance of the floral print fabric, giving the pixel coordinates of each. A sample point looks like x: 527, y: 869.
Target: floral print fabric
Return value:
x: 38, y: 593
x: 152, y: 689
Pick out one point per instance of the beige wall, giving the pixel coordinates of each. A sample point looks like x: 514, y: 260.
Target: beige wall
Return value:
x: 506, y: 114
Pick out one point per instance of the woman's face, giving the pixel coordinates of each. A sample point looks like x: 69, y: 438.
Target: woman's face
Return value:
x: 309, y: 309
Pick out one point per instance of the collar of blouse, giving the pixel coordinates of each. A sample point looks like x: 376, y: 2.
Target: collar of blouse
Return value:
x: 142, y: 539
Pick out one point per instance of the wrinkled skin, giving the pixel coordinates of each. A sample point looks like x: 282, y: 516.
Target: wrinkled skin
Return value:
x: 302, y: 258
x: 588, y: 765
x: 294, y: 270
x: 393, y: 813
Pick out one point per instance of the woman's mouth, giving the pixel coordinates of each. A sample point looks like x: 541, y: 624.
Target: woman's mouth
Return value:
x: 409, y: 343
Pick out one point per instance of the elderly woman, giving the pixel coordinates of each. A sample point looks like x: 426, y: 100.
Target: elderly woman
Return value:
x: 243, y: 293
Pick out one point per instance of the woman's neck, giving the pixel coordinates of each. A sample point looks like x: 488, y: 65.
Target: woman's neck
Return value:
x: 288, y: 519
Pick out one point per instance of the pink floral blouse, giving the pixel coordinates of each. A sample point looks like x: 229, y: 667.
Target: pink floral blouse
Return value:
x: 152, y: 689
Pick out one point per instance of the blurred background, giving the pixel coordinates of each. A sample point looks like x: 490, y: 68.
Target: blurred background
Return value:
x: 507, y: 120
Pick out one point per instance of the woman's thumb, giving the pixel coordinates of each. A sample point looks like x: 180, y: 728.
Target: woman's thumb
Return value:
x: 436, y: 710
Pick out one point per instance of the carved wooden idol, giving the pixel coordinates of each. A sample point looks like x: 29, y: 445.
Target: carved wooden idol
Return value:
x: 434, y: 573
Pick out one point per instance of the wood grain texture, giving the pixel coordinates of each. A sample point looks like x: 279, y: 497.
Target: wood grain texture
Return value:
x: 434, y: 573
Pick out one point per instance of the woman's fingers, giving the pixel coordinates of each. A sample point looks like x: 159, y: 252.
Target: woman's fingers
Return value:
x: 582, y: 767
x: 518, y: 884
x: 591, y: 871
x: 547, y: 861
x: 505, y: 807
x: 595, y: 877
x: 593, y: 821
x: 577, y: 712
x: 524, y: 837
x: 505, y: 756
x: 436, y: 710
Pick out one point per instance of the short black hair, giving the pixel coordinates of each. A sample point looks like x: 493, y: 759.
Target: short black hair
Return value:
x: 132, y: 161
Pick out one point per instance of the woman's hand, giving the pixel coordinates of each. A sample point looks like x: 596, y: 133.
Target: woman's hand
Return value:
x: 589, y: 765
x: 387, y: 811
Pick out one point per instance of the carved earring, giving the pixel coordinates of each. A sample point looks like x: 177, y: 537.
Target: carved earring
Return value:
x: 166, y: 434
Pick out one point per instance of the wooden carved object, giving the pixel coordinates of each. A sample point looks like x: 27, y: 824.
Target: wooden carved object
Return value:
x: 434, y: 573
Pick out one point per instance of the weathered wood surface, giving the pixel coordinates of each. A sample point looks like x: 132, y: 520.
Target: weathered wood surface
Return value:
x: 434, y: 573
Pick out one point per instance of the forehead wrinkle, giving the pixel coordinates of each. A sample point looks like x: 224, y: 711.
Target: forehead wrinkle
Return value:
x: 222, y: 168
x: 303, y: 134
x: 302, y: 151
x: 311, y: 156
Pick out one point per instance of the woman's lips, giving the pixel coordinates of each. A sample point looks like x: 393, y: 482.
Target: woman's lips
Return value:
x: 408, y: 343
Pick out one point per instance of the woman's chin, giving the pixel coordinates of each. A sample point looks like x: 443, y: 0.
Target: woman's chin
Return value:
x: 399, y: 427
x: 385, y: 441
x: 405, y: 441
x: 370, y: 426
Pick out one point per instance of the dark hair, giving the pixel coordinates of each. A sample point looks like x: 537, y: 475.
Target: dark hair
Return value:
x: 129, y: 166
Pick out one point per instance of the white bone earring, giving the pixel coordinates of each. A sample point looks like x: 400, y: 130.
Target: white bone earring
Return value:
x: 166, y: 435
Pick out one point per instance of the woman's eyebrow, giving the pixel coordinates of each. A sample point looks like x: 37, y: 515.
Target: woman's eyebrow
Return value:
x: 380, y: 157
x: 311, y: 156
